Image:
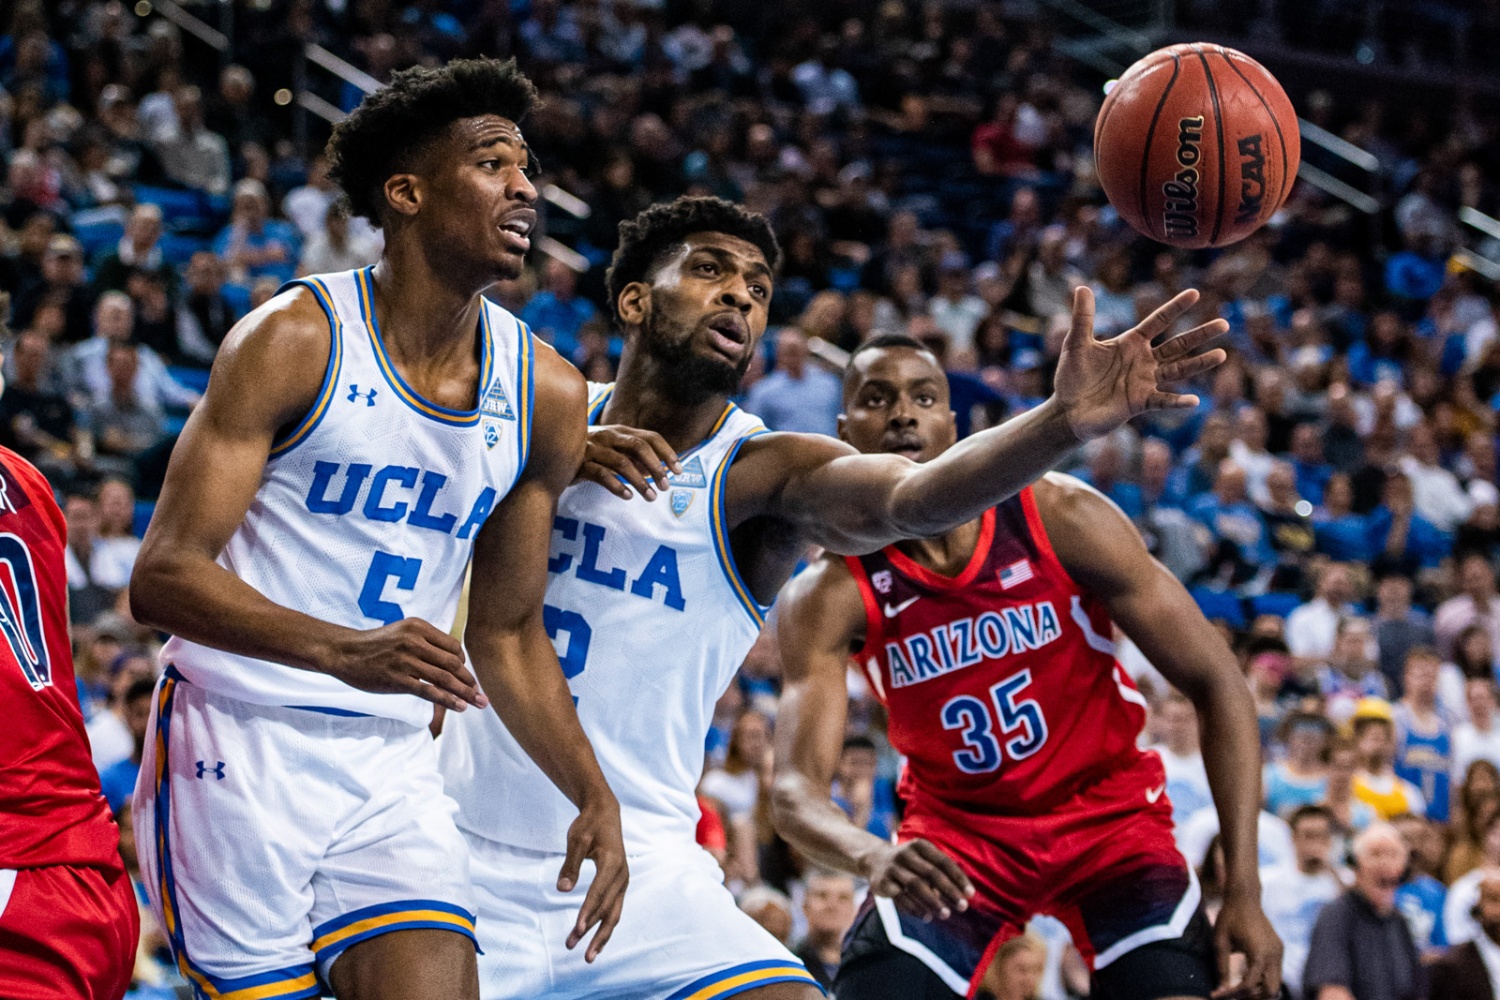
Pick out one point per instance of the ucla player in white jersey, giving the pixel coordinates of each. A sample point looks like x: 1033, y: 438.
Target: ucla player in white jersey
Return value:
x: 654, y: 605
x: 363, y: 435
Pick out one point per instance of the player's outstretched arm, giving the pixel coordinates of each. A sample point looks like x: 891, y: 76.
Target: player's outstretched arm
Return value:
x: 265, y: 378
x: 515, y: 660
x: 858, y: 503
x: 1103, y: 551
x: 819, y: 618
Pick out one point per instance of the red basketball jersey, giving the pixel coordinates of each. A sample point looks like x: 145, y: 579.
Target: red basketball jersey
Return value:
x: 1001, y: 683
x: 51, y: 811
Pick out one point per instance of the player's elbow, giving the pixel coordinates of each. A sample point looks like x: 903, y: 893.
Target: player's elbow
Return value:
x: 152, y: 582
x: 788, y: 797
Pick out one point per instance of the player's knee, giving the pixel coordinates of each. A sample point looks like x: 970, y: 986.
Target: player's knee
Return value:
x: 408, y: 965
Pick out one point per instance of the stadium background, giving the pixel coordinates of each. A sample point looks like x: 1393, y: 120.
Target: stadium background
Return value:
x: 927, y: 166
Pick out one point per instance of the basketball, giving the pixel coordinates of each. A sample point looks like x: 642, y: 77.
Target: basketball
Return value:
x: 1197, y: 145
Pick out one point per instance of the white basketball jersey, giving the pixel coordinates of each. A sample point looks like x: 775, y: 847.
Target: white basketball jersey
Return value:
x: 368, y: 508
x: 651, y: 621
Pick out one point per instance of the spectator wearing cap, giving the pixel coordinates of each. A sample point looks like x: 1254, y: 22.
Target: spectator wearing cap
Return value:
x: 88, y: 369
x: 1361, y: 946
x: 1312, y: 627
x: 192, y: 155
x: 1424, y: 732
x: 1478, y: 736
x: 557, y: 312
x: 1471, y: 971
x: 955, y: 308
x: 254, y: 244
x: 1477, y: 604
x: 64, y: 283
x: 1376, y: 783
x: 138, y: 250
x: 1399, y: 627
x: 1293, y: 895
x: 797, y: 395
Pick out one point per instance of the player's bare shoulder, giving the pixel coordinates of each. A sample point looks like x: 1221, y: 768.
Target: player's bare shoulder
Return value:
x: 273, y: 361
x: 822, y: 606
x: 1068, y: 503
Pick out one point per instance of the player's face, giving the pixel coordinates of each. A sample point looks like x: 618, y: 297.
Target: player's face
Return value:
x: 897, y: 403
x: 476, y: 202
x: 708, y: 310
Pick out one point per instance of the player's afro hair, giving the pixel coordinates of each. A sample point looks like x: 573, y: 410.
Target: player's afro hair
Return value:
x: 645, y: 239
x: 393, y: 126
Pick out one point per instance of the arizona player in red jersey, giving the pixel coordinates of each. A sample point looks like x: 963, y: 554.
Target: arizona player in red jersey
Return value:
x: 1024, y: 789
x: 68, y: 919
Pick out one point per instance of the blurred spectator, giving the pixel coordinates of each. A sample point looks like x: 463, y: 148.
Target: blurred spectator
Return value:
x: 109, y: 733
x: 116, y: 502
x: 1288, y: 519
x: 1293, y: 895
x: 232, y: 113
x: 1421, y: 896
x: 1350, y: 814
x: 798, y: 395
x: 192, y: 155
x: 1437, y: 493
x: 1478, y: 738
x: 869, y: 800
x: 1181, y: 756
x: 124, y: 426
x: 1301, y: 777
x: 1475, y: 605
x: 1475, y: 803
x: 1106, y: 473
x: 36, y: 421
x: 95, y: 575
x: 828, y: 905
x: 955, y: 308
x: 771, y: 909
x: 138, y: 250
x: 92, y: 386
x: 1471, y: 971
x: 340, y: 245
x: 1349, y: 673
x: 63, y: 284
x: 1399, y: 535
x: 557, y: 312
x: 1361, y: 947
x: 205, y: 313
x: 1463, y: 893
x: 1424, y: 748
x: 254, y: 244
x: 1376, y: 783
x: 1241, y: 530
x: 1399, y: 628
x: 1312, y: 627
x: 307, y: 206
x: 118, y: 780
x: 737, y: 782
x: 1017, y: 970
x: 1307, y: 462
x: 1248, y: 449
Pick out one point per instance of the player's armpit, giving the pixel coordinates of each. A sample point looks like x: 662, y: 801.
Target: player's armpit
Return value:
x: 265, y: 379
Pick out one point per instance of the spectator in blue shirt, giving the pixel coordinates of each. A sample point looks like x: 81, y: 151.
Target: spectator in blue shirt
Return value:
x: 1230, y: 516
x: 118, y: 780
x: 557, y: 313
x: 1341, y: 534
x: 1307, y: 462
x: 1105, y: 465
x: 866, y: 798
x: 1395, y: 530
x: 1420, y: 896
x: 254, y: 244
x: 1200, y: 463
x: 797, y: 396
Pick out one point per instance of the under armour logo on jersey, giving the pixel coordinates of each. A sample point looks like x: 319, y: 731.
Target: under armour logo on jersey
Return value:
x: 217, y: 770
x: 368, y: 397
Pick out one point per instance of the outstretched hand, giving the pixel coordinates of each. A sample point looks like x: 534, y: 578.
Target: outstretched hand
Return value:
x: 1101, y: 384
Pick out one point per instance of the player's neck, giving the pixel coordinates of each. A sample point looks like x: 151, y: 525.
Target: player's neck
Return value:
x: 645, y: 397
x: 422, y: 312
x: 946, y: 555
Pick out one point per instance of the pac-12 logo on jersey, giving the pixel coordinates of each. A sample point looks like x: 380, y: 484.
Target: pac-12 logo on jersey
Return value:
x: 21, y: 612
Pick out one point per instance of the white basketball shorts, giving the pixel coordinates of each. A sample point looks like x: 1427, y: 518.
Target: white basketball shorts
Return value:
x: 271, y: 839
x: 680, y: 936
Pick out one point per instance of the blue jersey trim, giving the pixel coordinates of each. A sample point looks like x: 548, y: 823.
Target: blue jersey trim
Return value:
x: 720, y: 529
x: 597, y: 409
x: 526, y: 385
x: 342, y: 713
x: 409, y: 396
x: 333, y: 936
x: 319, y: 409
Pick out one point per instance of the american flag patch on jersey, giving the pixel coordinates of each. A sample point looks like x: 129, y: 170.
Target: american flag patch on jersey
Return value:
x: 1015, y: 574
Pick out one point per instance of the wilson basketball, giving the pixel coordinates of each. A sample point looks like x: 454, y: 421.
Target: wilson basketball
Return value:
x: 1197, y: 145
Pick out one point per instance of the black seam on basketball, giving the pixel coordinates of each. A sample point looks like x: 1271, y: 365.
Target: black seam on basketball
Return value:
x: 1146, y: 153
x: 1276, y: 124
x: 1213, y: 95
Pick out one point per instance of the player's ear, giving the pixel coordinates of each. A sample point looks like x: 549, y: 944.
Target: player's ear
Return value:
x: 634, y: 303
x: 843, y: 422
x: 403, y: 193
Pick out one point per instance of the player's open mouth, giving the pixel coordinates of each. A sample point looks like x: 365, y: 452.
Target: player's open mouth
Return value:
x: 516, y: 229
x: 730, y: 334
x: 907, y: 447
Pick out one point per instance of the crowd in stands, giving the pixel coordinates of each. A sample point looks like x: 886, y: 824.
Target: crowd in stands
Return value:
x: 1332, y: 503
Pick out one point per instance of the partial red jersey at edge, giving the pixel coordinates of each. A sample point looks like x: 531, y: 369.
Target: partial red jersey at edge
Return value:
x: 1001, y: 683
x: 51, y: 810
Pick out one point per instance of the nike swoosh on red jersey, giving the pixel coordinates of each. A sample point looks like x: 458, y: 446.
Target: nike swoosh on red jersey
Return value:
x: 891, y: 612
x: 1152, y: 794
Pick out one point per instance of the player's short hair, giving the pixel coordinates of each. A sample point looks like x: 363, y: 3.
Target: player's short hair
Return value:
x: 397, y: 123
x: 652, y: 234
x: 882, y: 342
x: 1304, y: 813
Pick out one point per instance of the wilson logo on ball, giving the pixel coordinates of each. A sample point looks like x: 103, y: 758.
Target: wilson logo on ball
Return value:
x: 1181, y: 192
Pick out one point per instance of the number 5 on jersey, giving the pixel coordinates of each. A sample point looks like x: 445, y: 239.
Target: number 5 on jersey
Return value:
x: 982, y: 753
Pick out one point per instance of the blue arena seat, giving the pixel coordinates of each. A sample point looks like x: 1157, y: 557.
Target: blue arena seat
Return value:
x: 143, y: 511
x: 1279, y: 604
x: 1220, y: 605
